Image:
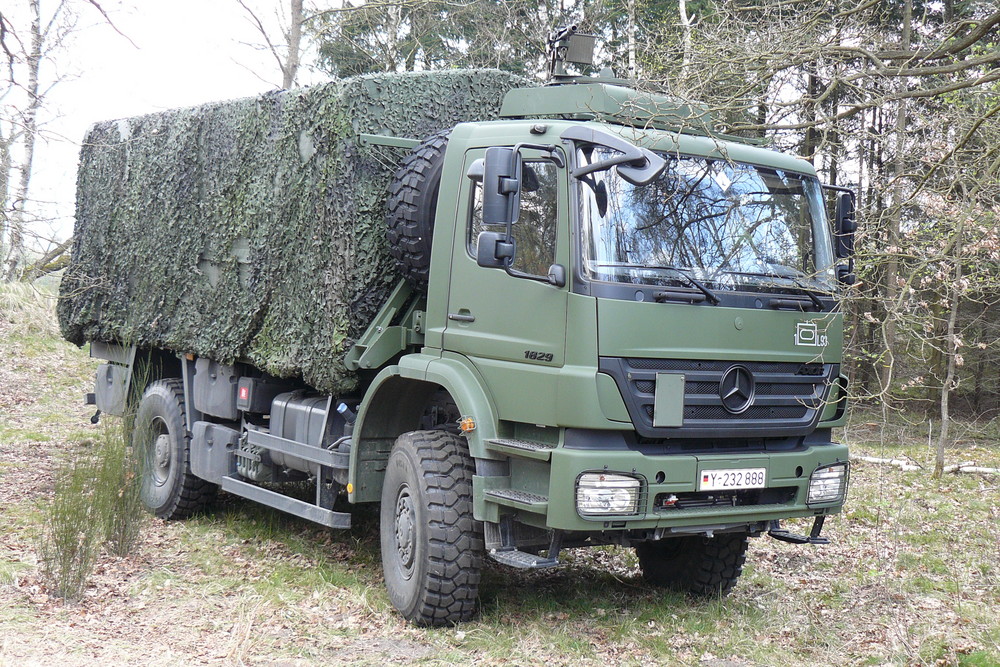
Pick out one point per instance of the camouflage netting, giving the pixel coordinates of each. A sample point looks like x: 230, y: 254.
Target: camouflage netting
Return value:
x: 253, y: 229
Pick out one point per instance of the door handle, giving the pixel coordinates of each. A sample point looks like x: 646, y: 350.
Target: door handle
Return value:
x: 462, y: 316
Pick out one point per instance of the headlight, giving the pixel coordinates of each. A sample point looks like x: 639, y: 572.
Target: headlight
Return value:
x: 604, y: 493
x: 828, y: 484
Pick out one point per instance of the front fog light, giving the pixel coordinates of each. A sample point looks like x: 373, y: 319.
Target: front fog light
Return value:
x: 828, y: 484
x: 603, y: 493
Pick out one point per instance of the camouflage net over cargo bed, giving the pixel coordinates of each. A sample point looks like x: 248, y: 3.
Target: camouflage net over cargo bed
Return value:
x: 253, y: 229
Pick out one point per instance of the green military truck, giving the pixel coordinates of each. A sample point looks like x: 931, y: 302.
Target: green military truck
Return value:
x: 606, y: 324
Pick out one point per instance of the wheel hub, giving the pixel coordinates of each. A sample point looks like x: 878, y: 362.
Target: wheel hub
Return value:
x: 161, y: 457
x: 404, y: 529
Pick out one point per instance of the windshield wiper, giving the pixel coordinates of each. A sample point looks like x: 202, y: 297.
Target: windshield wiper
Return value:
x: 787, y: 274
x: 684, y: 273
x: 694, y: 282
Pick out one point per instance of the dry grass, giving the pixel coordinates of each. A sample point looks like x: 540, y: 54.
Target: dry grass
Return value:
x: 911, y: 577
x: 28, y: 310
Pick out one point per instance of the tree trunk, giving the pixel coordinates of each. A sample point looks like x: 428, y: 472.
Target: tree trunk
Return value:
x: 55, y: 259
x: 291, y: 67
x: 892, y: 231
x: 632, y: 72
x: 686, y: 22
x: 952, y: 354
x: 6, y: 170
x: 809, y: 143
x: 15, y: 250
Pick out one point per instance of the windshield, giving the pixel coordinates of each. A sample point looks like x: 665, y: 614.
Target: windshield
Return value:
x: 731, y: 226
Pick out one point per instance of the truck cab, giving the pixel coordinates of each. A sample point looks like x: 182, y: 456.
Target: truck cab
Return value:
x: 643, y: 352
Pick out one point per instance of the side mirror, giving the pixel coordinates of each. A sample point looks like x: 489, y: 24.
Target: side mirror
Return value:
x: 493, y: 250
x: 557, y: 275
x: 845, y: 274
x: 501, y: 186
x: 845, y: 225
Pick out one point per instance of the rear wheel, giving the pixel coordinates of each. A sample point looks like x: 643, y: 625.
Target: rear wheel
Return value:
x: 162, y: 447
x: 700, y: 566
x: 432, y: 547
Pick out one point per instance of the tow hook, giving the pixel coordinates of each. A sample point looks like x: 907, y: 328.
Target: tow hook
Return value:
x: 779, y: 533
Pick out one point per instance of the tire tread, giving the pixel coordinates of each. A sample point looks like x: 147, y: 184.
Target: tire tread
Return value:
x: 410, y: 209
x: 455, y: 538
x: 193, y: 493
x: 699, y: 566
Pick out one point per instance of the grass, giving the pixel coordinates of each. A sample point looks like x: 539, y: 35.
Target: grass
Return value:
x: 911, y: 576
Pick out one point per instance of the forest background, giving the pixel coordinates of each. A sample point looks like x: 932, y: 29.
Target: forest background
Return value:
x: 895, y: 99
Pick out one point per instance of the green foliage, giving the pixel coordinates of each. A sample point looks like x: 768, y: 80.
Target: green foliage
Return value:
x: 505, y: 34
x: 71, y: 535
x: 95, y: 504
x: 118, y: 478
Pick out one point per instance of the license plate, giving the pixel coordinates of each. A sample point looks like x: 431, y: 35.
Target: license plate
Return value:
x: 732, y: 478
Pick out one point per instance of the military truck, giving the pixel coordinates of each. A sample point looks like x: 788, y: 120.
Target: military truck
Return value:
x: 612, y: 325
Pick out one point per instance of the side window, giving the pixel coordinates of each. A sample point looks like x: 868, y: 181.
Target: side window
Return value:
x: 535, y: 229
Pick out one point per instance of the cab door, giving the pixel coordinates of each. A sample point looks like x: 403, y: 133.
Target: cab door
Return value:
x: 497, y: 319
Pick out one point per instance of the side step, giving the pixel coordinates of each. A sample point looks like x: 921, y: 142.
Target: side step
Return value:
x: 521, y: 500
x: 510, y: 555
x: 784, y: 535
x: 299, y: 508
x: 523, y: 448
x: 523, y: 560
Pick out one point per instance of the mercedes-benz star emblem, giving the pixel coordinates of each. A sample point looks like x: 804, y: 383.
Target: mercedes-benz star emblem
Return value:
x: 736, y: 389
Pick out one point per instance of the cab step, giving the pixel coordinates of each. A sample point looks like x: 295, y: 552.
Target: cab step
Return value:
x: 783, y: 535
x: 523, y: 560
x: 518, y: 500
x: 508, y: 554
x: 528, y: 449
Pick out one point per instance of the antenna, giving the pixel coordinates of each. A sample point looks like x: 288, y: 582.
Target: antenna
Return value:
x: 566, y: 45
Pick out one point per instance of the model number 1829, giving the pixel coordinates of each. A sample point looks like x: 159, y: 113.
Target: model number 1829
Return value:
x: 537, y: 356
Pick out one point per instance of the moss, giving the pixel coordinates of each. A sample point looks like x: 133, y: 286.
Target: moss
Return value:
x: 252, y: 229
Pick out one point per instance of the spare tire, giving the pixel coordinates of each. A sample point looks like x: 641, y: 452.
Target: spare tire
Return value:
x: 411, y: 206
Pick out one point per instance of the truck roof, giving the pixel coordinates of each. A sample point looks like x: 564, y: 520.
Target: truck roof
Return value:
x: 500, y: 132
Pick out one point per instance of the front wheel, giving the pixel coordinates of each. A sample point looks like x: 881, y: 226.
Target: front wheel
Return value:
x: 700, y: 566
x: 432, y: 547
x: 162, y: 448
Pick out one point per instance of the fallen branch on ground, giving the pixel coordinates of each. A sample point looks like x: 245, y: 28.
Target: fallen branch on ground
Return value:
x: 898, y: 463
x: 964, y: 467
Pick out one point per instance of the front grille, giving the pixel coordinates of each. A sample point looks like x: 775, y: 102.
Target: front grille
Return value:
x: 788, y: 396
x: 668, y: 502
x: 702, y: 412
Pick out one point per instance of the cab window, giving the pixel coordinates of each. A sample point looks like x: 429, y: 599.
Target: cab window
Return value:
x: 535, y: 229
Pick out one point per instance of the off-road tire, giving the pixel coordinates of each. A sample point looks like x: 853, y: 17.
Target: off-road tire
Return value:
x: 432, y: 547
x: 162, y: 448
x: 697, y: 565
x: 411, y: 206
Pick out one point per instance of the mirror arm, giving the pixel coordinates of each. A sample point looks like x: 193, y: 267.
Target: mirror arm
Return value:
x: 629, y: 152
x: 551, y: 151
x: 548, y: 280
x: 636, y: 165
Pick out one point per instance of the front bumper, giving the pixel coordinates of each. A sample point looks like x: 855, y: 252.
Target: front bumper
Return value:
x: 664, y: 476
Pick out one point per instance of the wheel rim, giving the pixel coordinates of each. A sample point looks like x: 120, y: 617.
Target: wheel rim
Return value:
x: 158, y: 453
x: 404, y: 525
